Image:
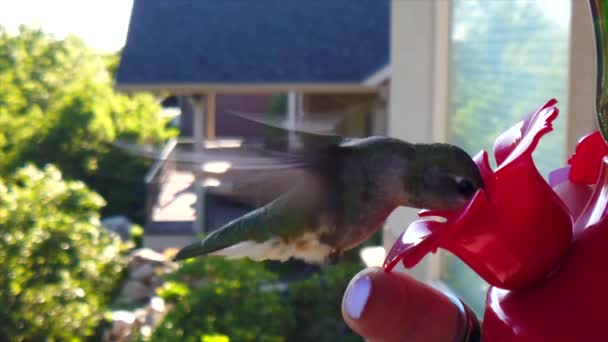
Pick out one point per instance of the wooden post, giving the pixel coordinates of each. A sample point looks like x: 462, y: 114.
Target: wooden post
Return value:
x: 580, y: 114
x: 414, y: 28
x: 198, y: 131
x: 211, y: 115
x: 294, y: 113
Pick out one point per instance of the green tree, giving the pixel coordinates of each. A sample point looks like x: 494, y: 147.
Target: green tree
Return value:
x: 59, y: 265
x: 507, y: 59
x: 57, y: 105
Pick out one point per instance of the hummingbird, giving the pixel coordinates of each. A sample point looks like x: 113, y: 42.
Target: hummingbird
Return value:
x: 345, y: 190
x: 336, y: 193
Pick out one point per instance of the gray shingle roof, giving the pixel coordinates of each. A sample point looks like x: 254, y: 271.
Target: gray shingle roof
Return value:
x: 255, y: 41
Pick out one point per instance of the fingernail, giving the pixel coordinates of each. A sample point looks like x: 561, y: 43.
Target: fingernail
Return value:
x: 356, y: 297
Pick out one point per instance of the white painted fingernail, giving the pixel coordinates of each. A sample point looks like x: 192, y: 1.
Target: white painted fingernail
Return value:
x: 357, y: 296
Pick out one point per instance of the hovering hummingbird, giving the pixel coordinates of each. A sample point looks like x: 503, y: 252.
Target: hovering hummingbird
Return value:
x: 341, y: 193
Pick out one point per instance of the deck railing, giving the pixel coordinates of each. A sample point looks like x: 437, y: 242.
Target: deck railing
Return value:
x: 157, y: 176
x: 159, y: 173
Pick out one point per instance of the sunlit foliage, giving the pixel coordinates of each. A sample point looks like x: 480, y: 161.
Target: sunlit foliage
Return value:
x: 217, y: 296
x: 244, y: 301
x: 59, y: 265
x: 58, y: 105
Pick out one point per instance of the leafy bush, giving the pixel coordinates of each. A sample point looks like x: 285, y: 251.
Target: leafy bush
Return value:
x: 241, y: 300
x: 215, y: 338
x: 58, y: 105
x: 58, y: 264
x: 316, y: 304
x: 137, y: 236
x: 217, y: 296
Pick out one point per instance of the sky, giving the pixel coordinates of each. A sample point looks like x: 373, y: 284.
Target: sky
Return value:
x: 101, y: 24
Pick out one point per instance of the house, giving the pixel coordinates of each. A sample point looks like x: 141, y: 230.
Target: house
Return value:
x: 218, y: 55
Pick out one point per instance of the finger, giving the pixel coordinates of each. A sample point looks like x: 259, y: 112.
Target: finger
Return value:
x: 383, y: 306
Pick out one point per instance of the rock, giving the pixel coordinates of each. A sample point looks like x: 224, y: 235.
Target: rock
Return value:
x: 155, y: 281
x: 143, y: 273
x: 135, y: 290
x: 146, y: 268
x: 120, y: 225
x: 145, y: 255
x: 156, y: 310
x: 141, y: 315
x: 145, y: 331
x: 122, y: 322
x: 157, y: 304
x: 170, y: 267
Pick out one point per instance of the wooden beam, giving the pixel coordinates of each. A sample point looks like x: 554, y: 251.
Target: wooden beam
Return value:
x: 291, y: 109
x: 441, y: 73
x: 211, y: 122
x: 198, y: 132
x: 580, y: 114
x: 411, y: 108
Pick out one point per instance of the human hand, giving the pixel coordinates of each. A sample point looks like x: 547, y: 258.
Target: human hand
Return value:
x: 386, y: 307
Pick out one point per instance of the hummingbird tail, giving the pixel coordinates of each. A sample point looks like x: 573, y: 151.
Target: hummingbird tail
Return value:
x: 273, y: 249
x: 228, y: 235
x: 307, y: 248
x: 270, y: 232
x: 190, y: 251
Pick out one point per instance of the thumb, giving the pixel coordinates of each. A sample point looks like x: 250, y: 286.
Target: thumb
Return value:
x: 383, y: 306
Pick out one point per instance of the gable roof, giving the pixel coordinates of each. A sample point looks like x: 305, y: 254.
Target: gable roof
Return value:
x: 191, y: 44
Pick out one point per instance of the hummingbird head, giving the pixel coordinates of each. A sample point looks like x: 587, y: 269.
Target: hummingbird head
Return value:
x: 446, y: 177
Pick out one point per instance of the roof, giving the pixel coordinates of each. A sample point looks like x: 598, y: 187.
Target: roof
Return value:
x: 192, y: 44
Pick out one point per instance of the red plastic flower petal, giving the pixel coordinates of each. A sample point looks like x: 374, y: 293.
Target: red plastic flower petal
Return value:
x: 514, y: 231
x: 531, y: 315
x: 587, y: 159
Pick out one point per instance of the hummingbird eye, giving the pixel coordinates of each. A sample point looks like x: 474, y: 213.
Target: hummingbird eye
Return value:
x: 466, y: 187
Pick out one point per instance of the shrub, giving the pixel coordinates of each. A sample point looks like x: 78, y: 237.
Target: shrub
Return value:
x: 216, y: 296
x: 240, y: 300
x: 316, y: 304
x: 58, y: 264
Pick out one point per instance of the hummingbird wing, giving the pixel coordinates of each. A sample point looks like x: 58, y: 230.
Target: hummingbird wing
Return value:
x: 248, y: 173
x: 242, y: 156
x: 320, y: 124
x: 307, y: 136
x: 317, y: 124
x: 289, y: 179
x: 256, y: 170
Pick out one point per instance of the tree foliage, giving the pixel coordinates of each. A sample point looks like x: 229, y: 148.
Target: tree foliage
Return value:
x: 59, y: 265
x: 57, y: 105
x: 507, y: 59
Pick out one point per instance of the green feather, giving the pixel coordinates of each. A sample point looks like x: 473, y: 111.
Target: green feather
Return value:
x: 283, y: 217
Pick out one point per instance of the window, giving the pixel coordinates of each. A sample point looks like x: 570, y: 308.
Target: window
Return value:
x: 506, y: 59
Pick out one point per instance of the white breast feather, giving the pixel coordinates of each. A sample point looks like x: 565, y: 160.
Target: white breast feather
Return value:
x: 306, y: 247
